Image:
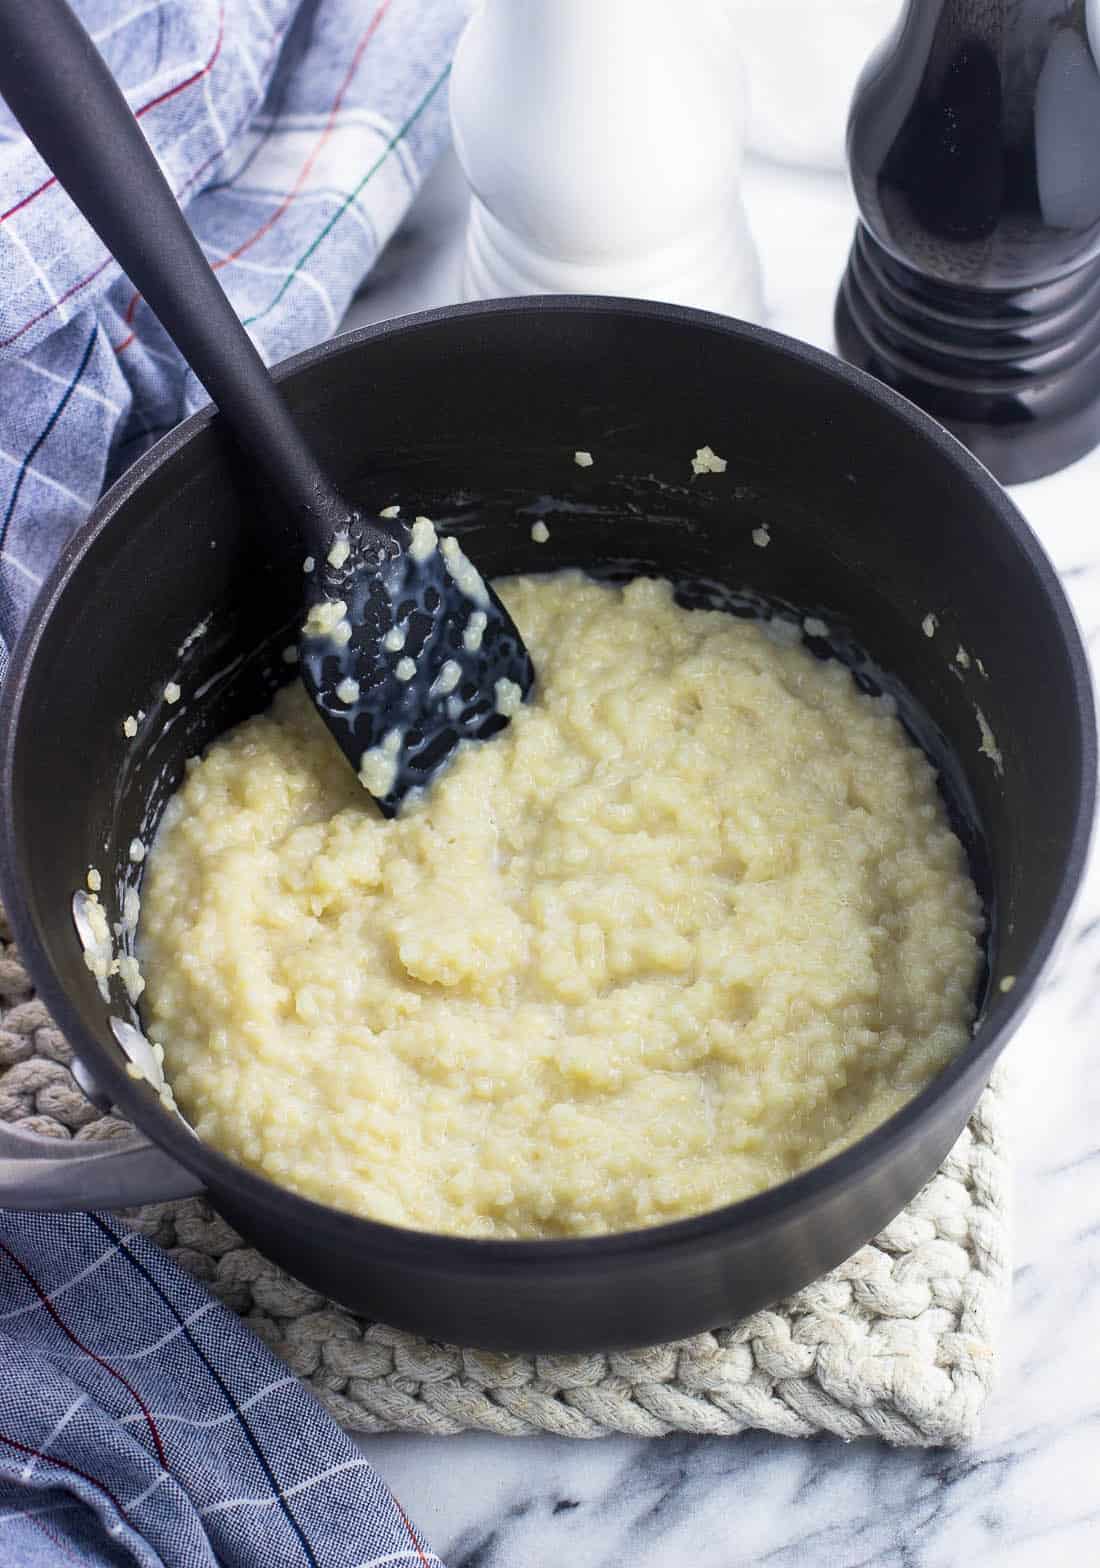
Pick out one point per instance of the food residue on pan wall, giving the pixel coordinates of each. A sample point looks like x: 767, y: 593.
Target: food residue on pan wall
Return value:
x: 989, y: 747
x: 144, y: 1061
x: 193, y: 636
x: 707, y: 461
x: 131, y: 912
x: 94, y: 931
x: 155, y: 1077
x: 99, y: 952
x: 129, y: 972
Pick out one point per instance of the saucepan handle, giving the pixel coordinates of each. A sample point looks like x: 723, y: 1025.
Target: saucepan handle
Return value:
x: 57, y: 1175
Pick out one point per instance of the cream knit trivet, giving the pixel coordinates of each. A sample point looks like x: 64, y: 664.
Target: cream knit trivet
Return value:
x: 897, y: 1343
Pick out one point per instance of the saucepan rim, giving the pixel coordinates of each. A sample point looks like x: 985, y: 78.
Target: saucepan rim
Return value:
x: 745, y: 1217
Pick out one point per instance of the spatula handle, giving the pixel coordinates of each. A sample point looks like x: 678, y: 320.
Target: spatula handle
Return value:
x: 61, y: 91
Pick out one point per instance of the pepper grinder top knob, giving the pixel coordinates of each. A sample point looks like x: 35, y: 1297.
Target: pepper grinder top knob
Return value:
x: 973, y: 285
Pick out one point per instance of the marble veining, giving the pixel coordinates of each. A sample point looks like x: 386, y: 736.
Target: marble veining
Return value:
x: 1026, y: 1494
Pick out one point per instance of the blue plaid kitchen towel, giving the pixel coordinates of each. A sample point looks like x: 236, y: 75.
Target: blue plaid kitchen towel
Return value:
x: 140, y: 1421
x: 141, y: 1424
x: 295, y: 133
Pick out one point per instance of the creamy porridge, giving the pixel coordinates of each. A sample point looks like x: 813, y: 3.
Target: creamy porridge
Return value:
x: 693, y: 920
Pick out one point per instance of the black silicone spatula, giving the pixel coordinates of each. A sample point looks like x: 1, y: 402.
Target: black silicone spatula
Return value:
x: 405, y: 650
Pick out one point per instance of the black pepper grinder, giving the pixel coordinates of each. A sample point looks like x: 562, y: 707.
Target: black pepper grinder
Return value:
x: 973, y: 285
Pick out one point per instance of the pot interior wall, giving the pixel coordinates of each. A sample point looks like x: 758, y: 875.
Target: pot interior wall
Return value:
x: 475, y: 420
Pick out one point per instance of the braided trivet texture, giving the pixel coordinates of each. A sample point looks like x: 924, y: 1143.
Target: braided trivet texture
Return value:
x: 897, y: 1343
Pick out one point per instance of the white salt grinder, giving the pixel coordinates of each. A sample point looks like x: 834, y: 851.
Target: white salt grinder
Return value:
x: 602, y: 141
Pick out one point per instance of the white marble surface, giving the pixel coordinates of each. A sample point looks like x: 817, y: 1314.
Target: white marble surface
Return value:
x: 1027, y: 1493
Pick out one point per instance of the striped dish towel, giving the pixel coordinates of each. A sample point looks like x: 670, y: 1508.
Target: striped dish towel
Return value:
x: 295, y: 132
x: 140, y: 1422
x: 143, y: 1426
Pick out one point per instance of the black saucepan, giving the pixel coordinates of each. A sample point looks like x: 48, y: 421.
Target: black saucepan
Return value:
x: 876, y: 519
